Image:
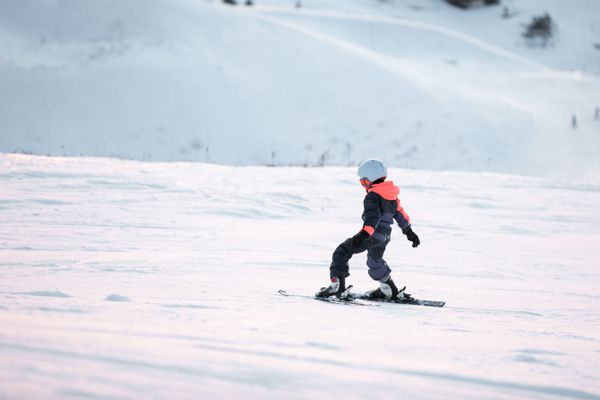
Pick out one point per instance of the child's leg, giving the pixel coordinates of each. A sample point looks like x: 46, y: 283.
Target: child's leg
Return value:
x: 342, y: 254
x: 378, y: 268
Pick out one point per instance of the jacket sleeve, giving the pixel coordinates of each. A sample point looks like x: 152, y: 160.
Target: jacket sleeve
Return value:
x: 401, y: 216
x: 371, y: 213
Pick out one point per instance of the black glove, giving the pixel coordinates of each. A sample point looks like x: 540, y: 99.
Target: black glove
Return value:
x: 360, y: 238
x: 411, y: 236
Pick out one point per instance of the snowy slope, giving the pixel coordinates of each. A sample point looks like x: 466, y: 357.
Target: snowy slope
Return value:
x: 130, y: 280
x: 422, y: 86
x: 576, y: 28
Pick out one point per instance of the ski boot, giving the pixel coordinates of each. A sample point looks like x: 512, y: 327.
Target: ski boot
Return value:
x: 337, y: 288
x: 388, y: 291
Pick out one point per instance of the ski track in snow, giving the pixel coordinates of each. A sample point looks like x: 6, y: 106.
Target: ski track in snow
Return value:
x: 402, y: 22
x: 128, y: 280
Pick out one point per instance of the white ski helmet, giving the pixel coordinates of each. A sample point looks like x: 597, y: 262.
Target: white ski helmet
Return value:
x: 372, y: 170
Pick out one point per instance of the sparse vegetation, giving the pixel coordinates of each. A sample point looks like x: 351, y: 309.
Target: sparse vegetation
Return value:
x: 469, y: 3
x: 540, y: 29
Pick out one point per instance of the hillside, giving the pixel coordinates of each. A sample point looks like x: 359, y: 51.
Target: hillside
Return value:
x: 422, y: 86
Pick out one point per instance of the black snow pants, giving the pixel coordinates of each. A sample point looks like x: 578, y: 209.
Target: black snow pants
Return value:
x: 378, y: 268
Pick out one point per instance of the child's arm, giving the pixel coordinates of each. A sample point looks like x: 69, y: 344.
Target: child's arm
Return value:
x: 401, y: 217
x: 371, y: 217
x: 371, y: 213
x: 403, y: 221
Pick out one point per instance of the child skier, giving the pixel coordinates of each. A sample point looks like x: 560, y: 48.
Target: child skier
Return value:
x: 381, y: 208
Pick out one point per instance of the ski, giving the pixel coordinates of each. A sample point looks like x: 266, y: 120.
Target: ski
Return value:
x: 332, y: 299
x: 363, y: 300
x: 410, y: 300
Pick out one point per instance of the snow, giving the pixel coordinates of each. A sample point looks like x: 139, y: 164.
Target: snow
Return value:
x: 144, y: 238
x: 200, y: 251
x: 421, y: 84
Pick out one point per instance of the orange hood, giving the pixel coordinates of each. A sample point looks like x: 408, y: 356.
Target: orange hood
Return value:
x: 387, y: 190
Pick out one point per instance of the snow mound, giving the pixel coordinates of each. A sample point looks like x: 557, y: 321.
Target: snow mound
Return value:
x: 46, y: 293
x: 116, y: 297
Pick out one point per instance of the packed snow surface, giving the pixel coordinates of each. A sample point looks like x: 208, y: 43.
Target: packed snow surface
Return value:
x: 137, y: 280
x: 420, y: 84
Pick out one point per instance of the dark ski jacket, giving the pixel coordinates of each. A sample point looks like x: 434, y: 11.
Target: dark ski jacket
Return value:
x: 381, y: 208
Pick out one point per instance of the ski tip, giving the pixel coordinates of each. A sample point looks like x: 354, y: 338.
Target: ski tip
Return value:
x: 435, y: 303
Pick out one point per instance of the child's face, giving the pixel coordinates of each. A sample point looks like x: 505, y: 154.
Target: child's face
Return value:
x: 365, y: 183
